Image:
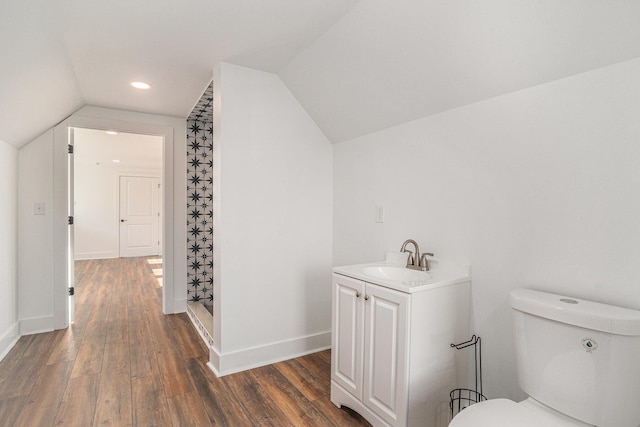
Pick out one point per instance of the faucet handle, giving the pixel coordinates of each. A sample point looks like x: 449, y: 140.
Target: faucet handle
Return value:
x: 424, y: 262
x: 410, y: 258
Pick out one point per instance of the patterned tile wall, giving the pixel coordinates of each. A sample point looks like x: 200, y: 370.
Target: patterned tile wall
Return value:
x: 203, y: 111
x: 200, y: 201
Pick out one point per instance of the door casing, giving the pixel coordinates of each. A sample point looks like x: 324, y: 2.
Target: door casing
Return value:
x: 61, y: 240
x: 147, y: 222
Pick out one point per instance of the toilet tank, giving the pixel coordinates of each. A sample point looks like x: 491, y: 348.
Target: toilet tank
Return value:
x: 579, y: 357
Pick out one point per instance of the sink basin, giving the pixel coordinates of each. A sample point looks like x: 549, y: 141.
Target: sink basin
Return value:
x: 397, y: 273
x: 394, y: 275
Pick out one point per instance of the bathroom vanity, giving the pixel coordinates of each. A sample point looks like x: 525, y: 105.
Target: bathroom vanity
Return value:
x: 392, y: 327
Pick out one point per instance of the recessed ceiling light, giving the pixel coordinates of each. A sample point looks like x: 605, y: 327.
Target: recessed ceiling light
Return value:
x: 111, y: 132
x: 141, y: 85
x: 115, y: 161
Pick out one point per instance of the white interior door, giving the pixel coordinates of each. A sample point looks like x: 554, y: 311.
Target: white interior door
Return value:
x: 71, y: 275
x: 139, y: 216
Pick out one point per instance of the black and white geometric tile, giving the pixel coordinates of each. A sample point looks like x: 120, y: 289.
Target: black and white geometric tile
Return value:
x: 200, y: 201
x: 203, y: 111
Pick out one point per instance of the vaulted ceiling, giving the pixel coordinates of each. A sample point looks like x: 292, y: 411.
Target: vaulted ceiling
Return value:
x: 357, y: 66
x: 56, y: 56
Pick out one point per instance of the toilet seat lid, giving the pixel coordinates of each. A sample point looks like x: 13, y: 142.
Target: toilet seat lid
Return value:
x: 506, y: 413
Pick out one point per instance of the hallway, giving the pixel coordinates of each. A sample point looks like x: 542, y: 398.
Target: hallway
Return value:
x: 124, y: 363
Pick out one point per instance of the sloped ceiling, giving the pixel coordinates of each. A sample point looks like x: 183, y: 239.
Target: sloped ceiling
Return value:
x: 357, y: 66
x: 38, y: 87
x: 56, y: 56
x: 388, y: 62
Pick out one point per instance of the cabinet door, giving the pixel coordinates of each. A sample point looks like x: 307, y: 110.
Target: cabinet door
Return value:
x: 386, y: 348
x: 347, y: 339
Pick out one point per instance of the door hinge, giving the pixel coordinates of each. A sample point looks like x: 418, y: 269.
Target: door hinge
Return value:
x: 70, y: 149
x: 70, y: 220
x: 72, y: 291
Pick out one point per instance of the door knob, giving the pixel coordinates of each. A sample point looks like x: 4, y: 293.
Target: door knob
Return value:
x: 122, y: 220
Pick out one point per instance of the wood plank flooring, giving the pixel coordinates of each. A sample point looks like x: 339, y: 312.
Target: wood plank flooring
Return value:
x: 124, y: 363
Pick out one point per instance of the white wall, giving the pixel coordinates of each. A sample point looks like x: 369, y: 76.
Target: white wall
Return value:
x: 35, y: 235
x: 40, y: 265
x: 538, y: 188
x: 272, y: 235
x: 96, y: 213
x: 8, y: 247
x: 96, y: 202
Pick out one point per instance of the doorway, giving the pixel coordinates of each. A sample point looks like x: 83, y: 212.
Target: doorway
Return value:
x: 115, y: 195
x: 63, y: 136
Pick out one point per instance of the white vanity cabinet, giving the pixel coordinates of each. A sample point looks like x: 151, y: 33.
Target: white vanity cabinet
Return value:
x: 391, y: 358
x: 370, y: 345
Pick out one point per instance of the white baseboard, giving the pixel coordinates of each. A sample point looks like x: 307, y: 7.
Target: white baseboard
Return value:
x: 254, y: 357
x: 212, y: 368
x: 94, y: 255
x: 179, y: 305
x: 8, y: 339
x: 173, y: 306
x: 36, y: 325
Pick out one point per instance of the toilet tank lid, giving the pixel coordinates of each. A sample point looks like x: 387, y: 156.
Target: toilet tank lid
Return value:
x: 578, y: 312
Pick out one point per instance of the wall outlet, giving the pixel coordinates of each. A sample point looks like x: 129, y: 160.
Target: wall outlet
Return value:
x: 38, y: 208
x: 379, y: 214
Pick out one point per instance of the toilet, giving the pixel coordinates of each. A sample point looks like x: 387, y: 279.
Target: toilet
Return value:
x: 578, y: 361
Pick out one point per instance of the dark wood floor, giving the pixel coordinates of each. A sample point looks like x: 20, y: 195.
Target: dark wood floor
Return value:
x: 124, y: 363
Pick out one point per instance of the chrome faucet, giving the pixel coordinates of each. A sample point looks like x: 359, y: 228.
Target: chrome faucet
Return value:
x: 416, y: 261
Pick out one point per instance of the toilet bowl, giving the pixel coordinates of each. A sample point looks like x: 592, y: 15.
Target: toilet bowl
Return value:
x: 507, y: 413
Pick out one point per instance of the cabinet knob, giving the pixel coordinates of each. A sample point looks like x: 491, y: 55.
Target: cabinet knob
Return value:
x: 366, y: 297
x: 358, y: 294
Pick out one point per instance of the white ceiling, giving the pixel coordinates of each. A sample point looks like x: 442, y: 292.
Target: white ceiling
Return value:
x: 99, y: 149
x: 56, y: 56
x: 388, y: 62
x: 357, y: 66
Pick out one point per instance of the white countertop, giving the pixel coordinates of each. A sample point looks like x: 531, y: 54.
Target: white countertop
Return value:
x: 440, y: 274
